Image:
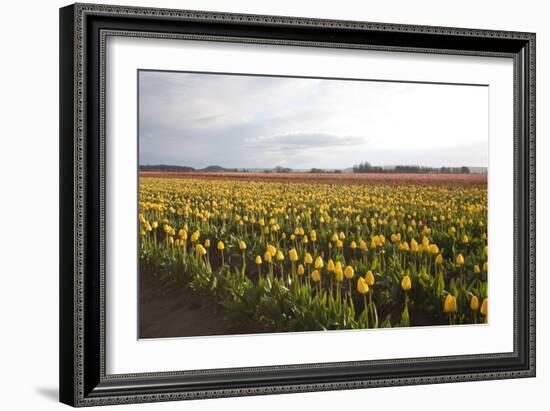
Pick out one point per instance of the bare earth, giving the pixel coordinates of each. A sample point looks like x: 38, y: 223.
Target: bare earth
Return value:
x: 468, y: 180
x: 168, y: 309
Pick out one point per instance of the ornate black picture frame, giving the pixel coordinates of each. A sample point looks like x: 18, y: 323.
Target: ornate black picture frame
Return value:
x: 83, y: 30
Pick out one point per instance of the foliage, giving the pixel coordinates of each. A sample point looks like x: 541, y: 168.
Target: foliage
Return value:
x: 321, y: 256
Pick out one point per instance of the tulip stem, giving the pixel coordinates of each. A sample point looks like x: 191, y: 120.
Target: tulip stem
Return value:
x: 366, y: 311
x: 371, y: 308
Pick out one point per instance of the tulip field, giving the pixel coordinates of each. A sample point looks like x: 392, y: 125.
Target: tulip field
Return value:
x: 321, y: 254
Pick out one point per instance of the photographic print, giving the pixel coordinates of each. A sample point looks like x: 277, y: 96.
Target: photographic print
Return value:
x: 272, y: 204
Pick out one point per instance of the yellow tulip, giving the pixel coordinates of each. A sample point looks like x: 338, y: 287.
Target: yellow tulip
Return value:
x: 348, y: 272
x: 267, y: 257
x: 330, y: 266
x: 242, y: 245
x: 292, y: 254
x: 484, y: 307
x: 353, y: 245
x: 279, y: 256
x: 362, y: 286
x: 476, y: 269
x: 259, y: 259
x: 474, y: 303
x: 319, y: 263
x: 221, y: 245
x: 207, y: 243
x: 200, y: 249
x: 459, y: 260
x: 439, y: 259
x: 316, y: 276
x: 449, y: 305
x: 195, y: 236
x: 339, y: 272
x: 308, y: 259
x: 465, y: 239
x: 369, y: 278
x: 272, y: 250
x: 300, y: 269
x: 406, y: 283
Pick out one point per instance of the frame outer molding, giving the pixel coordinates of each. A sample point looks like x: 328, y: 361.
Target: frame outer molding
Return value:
x: 73, y: 194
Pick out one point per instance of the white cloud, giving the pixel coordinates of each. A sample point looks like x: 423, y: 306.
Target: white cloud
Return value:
x: 258, y: 121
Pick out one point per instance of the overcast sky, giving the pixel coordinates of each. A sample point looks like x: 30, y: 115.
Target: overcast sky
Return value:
x: 261, y: 122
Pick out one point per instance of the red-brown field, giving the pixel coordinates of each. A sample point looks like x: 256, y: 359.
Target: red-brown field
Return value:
x: 469, y: 180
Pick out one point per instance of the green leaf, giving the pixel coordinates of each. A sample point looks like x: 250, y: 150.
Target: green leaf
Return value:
x: 387, y: 322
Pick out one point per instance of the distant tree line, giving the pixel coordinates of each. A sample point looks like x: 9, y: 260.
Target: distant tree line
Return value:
x: 366, y: 167
x: 322, y: 170
x: 165, y: 168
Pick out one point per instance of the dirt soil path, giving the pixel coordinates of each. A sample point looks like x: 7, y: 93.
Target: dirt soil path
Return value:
x: 168, y: 309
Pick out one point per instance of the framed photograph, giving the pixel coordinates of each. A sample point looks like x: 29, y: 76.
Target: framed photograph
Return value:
x: 262, y: 204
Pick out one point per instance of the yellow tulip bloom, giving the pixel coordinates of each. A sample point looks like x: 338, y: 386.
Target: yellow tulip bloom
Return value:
x: 406, y: 283
x: 319, y: 263
x: 369, y: 278
x: 292, y: 254
x: 449, y: 305
x: 316, y: 276
x: 484, y: 307
x: 362, y: 286
x: 474, y: 303
x: 339, y: 272
x: 348, y: 272
x: 200, y: 249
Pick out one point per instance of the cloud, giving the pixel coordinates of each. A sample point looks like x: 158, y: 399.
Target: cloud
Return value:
x: 243, y: 121
x: 297, y: 140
